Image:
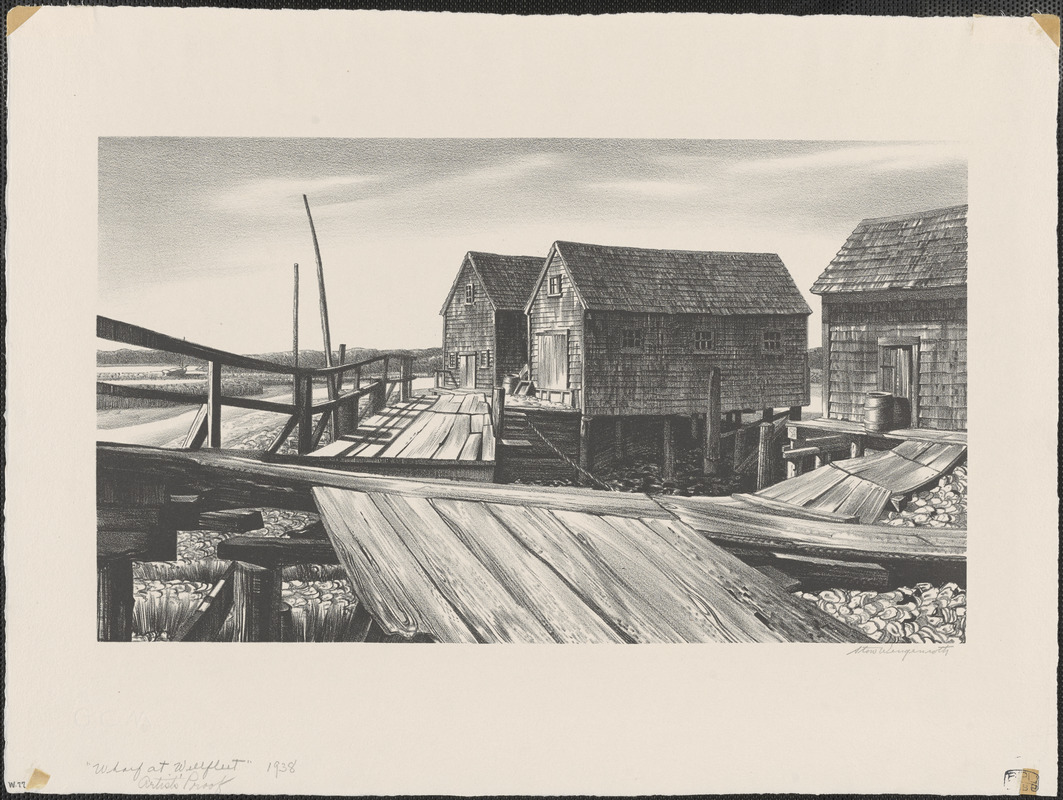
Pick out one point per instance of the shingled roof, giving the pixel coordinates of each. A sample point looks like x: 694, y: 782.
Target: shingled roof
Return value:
x: 915, y: 251
x: 507, y: 280
x: 680, y: 281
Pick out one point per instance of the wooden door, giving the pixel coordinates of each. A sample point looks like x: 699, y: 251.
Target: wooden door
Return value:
x: 553, y: 361
x: 468, y: 371
x: 897, y: 376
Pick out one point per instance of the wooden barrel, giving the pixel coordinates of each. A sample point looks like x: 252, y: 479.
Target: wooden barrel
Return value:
x: 878, y: 411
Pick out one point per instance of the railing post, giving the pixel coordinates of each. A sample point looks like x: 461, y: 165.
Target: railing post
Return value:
x: 384, y: 381
x: 213, y: 404
x: 764, y: 455
x: 305, y: 405
x: 498, y: 411
x: 406, y: 387
x: 712, y: 424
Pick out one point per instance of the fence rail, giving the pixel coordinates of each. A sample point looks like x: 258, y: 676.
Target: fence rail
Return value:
x: 341, y: 410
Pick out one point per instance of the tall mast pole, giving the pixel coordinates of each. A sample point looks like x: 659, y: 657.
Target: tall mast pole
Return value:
x: 324, y: 311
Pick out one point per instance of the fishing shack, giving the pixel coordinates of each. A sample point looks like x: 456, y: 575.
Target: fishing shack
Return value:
x: 623, y: 332
x: 485, y: 334
x: 895, y: 321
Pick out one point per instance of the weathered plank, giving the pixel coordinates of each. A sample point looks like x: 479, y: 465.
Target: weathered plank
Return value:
x: 456, y: 438
x: 425, y: 444
x: 537, y: 587
x: 268, y: 551
x: 384, y: 574
x: 479, y: 597
x: 472, y: 448
x: 734, y: 525
x: 789, y: 510
x: 601, y: 587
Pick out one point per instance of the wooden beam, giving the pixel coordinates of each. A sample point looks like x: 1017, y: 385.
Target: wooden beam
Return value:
x: 213, y: 404
x: 740, y: 448
x: 181, y: 398
x: 197, y: 432
x: 498, y: 411
x: 271, y: 552
x: 229, y: 520
x: 712, y: 424
x: 795, y: 413
x: 764, y: 455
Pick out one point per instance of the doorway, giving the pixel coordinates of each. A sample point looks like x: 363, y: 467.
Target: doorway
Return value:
x: 468, y: 371
x: 899, y: 375
x: 553, y: 361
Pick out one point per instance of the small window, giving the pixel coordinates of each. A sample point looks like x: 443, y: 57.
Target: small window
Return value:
x: 555, y: 285
x: 470, y: 294
x: 634, y: 338
x: 772, y: 342
x: 452, y: 358
x: 485, y: 358
x: 704, y: 340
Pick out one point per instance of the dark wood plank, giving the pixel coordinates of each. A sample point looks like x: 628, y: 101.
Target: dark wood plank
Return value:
x: 268, y: 551
x: 239, y: 519
x: 472, y: 448
x: 531, y: 582
x: 384, y: 574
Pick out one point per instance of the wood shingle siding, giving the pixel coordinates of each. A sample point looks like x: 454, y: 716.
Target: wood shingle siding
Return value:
x: 493, y: 324
x: 634, y: 319
x: 899, y: 281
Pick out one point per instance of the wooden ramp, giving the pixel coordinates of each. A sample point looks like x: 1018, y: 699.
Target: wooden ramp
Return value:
x: 441, y: 425
x: 857, y: 489
x: 496, y: 565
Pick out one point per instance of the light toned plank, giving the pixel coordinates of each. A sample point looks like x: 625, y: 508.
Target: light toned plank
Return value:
x: 832, y: 499
x: 758, y: 597
x: 790, y: 510
x: 431, y: 436
x: 408, y: 435
x: 456, y: 438
x: 468, y: 403
x: 589, y: 576
x: 533, y: 584
x: 334, y: 450
x: 488, y: 448
x: 470, y: 451
x: 481, y: 600
x: 384, y: 574
x: 476, y: 423
x: 675, y: 615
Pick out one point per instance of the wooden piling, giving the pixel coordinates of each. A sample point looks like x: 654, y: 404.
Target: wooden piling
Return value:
x: 795, y: 413
x: 305, y: 403
x: 740, y: 448
x: 856, y: 447
x: 213, y: 404
x: 295, y: 329
x: 498, y: 411
x: 257, y: 602
x: 586, y: 450
x: 767, y: 414
x: 764, y: 455
x: 668, y: 463
x: 114, y: 598
x: 712, y: 424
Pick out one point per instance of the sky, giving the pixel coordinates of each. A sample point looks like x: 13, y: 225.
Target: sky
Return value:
x: 197, y: 236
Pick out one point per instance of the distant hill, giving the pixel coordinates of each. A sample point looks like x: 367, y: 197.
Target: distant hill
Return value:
x: 424, y: 360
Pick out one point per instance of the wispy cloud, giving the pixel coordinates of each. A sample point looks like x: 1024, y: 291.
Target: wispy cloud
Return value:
x: 265, y: 195
x: 650, y: 188
x: 878, y: 157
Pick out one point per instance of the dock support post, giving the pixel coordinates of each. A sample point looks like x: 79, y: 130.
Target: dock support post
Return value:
x: 619, y: 449
x: 764, y: 455
x: 114, y: 598
x: 740, y: 447
x: 406, y: 384
x: 856, y: 447
x: 213, y: 404
x: 668, y: 465
x: 795, y: 413
x: 304, y: 403
x: 586, y: 451
x: 498, y: 411
x: 257, y: 601
x: 712, y: 424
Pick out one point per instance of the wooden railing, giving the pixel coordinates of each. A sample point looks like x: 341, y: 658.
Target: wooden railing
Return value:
x: 341, y: 409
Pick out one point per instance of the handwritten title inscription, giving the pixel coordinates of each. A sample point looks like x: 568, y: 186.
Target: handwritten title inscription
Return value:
x: 193, y: 777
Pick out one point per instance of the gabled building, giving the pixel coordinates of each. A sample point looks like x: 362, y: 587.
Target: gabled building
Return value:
x: 895, y: 319
x: 485, y: 333
x: 624, y: 331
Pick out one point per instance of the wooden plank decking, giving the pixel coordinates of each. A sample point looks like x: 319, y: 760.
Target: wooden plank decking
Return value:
x: 442, y: 425
x: 859, y: 488
x: 465, y: 569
